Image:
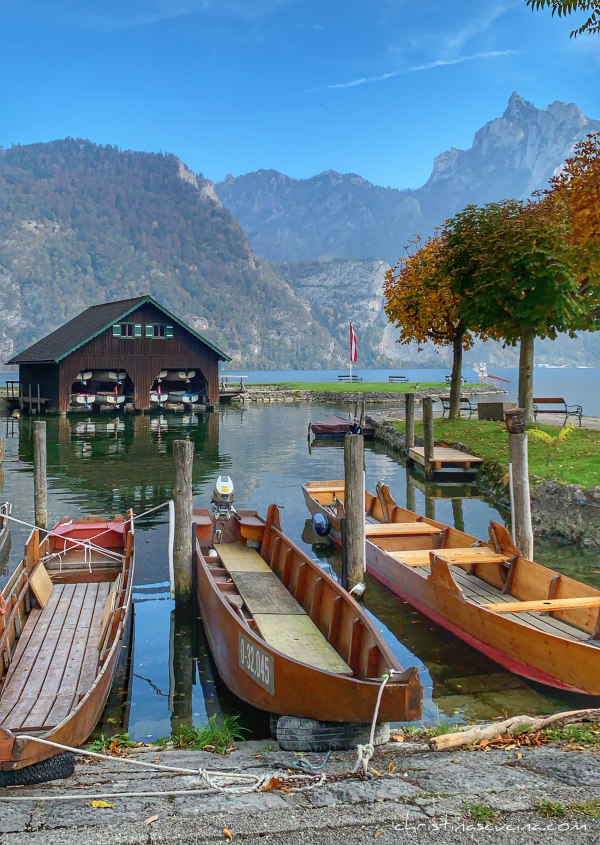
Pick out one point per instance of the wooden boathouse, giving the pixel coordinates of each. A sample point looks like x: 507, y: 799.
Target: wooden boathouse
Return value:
x: 138, y: 339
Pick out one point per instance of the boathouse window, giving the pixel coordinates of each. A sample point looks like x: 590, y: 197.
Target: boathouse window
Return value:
x: 158, y: 330
x: 127, y: 330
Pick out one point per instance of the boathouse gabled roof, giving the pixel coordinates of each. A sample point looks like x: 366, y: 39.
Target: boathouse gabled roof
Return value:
x: 88, y: 325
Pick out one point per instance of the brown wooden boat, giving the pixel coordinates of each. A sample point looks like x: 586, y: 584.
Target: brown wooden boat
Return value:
x: 285, y: 636
x: 67, y: 604
x: 532, y: 620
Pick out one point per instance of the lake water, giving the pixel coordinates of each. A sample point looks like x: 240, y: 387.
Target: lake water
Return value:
x: 98, y: 465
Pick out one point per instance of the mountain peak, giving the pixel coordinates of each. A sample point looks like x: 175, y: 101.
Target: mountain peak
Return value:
x: 518, y: 108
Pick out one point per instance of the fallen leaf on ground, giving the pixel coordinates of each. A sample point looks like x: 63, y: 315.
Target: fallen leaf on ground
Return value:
x: 228, y: 834
x: 98, y: 803
x: 397, y: 738
x: 272, y: 783
x: 377, y: 834
x: 151, y: 819
x: 391, y: 768
x: 375, y: 772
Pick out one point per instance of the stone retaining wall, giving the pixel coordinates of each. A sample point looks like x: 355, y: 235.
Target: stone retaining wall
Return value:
x: 268, y: 393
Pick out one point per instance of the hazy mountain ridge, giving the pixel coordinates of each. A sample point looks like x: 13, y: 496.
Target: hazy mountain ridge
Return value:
x: 82, y: 224
x: 343, y: 216
x: 336, y: 215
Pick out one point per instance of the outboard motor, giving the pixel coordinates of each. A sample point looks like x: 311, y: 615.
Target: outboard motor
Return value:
x: 222, y: 498
x: 321, y: 524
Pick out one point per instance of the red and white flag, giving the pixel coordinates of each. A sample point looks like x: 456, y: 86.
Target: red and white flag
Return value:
x: 353, y: 345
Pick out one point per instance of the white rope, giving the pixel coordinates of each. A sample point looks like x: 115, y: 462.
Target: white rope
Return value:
x: 365, y: 752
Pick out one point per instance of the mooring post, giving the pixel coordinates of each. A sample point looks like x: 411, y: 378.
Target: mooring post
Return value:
x: 354, y: 506
x: 40, y: 486
x: 409, y: 413
x: 429, y: 505
x: 183, y: 458
x: 518, y: 459
x: 428, y: 433
x: 39, y: 401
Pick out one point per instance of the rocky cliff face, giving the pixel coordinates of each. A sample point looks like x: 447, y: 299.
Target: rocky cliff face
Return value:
x: 335, y: 215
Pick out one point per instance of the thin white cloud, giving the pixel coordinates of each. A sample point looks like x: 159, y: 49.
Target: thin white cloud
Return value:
x: 367, y: 80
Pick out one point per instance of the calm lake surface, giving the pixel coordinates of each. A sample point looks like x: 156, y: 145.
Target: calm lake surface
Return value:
x: 101, y: 465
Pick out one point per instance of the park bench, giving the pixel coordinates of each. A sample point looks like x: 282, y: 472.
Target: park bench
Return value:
x: 348, y: 377
x: 558, y: 406
x: 465, y: 405
x: 397, y: 378
x: 449, y: 379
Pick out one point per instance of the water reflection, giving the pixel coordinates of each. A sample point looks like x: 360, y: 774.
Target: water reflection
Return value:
x: 100, y: 464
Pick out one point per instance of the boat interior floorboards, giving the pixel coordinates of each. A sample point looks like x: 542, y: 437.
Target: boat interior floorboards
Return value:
x: 480, y: 592
x: 56, y: 659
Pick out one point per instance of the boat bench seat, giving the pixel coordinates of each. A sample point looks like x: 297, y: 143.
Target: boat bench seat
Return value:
x: 280, y: 619
x: 544, y: 605
x: 470, y: 555
x: 399, y: 529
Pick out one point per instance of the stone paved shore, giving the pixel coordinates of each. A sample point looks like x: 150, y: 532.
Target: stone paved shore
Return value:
x: 417, y: 796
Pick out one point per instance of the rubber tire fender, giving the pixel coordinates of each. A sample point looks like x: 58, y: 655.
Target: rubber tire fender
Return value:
x: 59, y: 766
x: 296, y: 734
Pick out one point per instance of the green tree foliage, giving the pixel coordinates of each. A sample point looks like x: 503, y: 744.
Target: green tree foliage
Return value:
x: 562, y: 8
x: 420, y: 302
x: 518, y: 276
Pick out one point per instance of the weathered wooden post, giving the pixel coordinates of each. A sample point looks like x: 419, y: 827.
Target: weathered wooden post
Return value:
x: 183, y: 458
x: 409, y: 413
x: 354, y: 506
x: 518, y: 464
x: 40, y: 486
x: 428, y: 433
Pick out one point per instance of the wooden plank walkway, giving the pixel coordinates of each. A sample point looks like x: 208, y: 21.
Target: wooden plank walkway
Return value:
x: 56, y: 659
x: 444, y: 457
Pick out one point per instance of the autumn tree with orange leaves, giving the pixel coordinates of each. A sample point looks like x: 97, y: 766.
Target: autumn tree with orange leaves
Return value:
x: 422, y: 305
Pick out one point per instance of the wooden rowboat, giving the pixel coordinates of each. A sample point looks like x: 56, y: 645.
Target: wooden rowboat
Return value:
x: 532, y: 620
x: 338, y: 426
x: 66, y: 609
x: 285, y: 636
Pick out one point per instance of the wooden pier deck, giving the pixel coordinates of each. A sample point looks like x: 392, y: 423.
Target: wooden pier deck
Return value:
x: 444, y: 458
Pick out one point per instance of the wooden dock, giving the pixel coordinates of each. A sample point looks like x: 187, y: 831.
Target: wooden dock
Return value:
x: 444, y: 458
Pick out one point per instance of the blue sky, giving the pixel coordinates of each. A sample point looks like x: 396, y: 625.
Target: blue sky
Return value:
x: 376, y: 87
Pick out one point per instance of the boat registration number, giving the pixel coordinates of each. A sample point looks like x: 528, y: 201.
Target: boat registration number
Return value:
x: 257, y: 663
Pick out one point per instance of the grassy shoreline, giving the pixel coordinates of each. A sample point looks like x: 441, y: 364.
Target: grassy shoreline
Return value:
x: 573, y: 460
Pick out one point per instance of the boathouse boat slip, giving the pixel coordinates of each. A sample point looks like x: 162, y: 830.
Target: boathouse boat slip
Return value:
x: 534, y: 621
x: 66, y: 606
x: 285, y: 636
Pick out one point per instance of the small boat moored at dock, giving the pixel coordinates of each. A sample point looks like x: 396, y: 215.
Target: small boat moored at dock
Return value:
x: 338, y: 426
x: 286, y: 637
x: 66, y: 607
x: 532, y: 620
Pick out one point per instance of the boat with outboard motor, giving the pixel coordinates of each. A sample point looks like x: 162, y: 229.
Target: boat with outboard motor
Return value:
x: 286, y: 637
x: 538, y: 623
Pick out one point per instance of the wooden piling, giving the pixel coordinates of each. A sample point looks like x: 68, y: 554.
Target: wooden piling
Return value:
x: 183, y: 459
x: 428, y: 433
x: 429, y: 505
x: 40, y: 484
x: 409, y: 412
x: 354, y: 505
x: 518, y: 458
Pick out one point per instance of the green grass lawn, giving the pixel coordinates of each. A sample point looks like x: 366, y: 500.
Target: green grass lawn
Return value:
x: 361, y: 386
x: 574, y: 460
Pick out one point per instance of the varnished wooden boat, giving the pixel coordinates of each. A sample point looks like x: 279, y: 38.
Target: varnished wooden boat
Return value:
x: 67, y: 604
x: 336, y: 426
x: 285, y: 636
x: 534, y: 621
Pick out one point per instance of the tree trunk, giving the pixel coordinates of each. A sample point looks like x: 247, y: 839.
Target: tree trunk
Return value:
x: 526, y: 374
x: 456, y: 386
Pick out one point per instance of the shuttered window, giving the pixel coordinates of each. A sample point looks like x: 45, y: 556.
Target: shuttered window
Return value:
x: 117, y: 330
x: 169, y: 330
x: 137, y: 330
